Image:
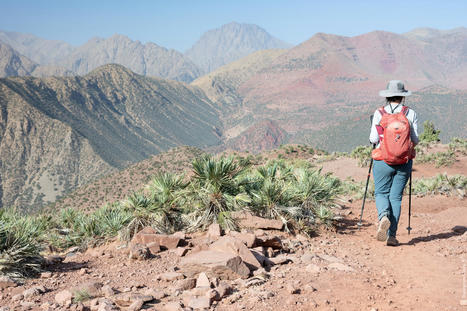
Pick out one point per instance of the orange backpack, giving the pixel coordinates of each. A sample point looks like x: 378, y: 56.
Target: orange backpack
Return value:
x: 395, y: 147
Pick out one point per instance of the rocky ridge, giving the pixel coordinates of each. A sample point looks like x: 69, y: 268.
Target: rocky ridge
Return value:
x: 59, y: 133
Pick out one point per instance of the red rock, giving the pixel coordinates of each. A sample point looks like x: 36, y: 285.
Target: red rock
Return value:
x: 249, y: 239
x: 218, y: 262
x: 180, y: 251
x: 214, y: 232
x: 166, y: 241
x: 154, y: 247
x: 231, y: 245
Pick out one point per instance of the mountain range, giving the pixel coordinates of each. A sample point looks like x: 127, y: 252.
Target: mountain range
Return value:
x: 59, y: 133
x: 315, y: 87
x: 215, y: 48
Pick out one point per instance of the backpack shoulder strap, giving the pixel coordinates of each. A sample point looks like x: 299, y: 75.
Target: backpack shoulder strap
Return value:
x: 382, y: 111
x: 405, y: 110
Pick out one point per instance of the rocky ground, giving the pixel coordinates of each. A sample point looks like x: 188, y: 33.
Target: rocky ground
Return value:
x: 262, y: 268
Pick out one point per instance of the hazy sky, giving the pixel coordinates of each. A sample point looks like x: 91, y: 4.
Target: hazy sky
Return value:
x: 178, y: 24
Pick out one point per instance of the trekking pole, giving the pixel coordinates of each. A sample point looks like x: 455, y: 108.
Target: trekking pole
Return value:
x: 410, y: 201
x: 359, y: 224
x: 366, y: 189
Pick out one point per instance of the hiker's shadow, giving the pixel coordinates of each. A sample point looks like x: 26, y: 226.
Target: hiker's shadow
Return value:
x: 455, y: 231
x: 350, y: 225
x: 66, y: 266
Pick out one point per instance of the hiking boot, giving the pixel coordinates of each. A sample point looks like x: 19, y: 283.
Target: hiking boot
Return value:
x: 383, y: 227
x: 392, y: 241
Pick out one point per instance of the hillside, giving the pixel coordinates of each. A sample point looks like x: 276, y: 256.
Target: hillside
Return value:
x: 118, y: 185
x: 60, y: 133
x: 229, y: 43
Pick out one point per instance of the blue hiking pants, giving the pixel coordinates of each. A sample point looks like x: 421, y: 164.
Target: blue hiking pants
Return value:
x: 390, y: 181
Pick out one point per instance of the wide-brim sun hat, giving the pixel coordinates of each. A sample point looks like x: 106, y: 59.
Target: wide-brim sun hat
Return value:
x: 395, y: 88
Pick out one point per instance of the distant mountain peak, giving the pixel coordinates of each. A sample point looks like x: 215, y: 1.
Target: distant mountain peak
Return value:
x: 230, y: 42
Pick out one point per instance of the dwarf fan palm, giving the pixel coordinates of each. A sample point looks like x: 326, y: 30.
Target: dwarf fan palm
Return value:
x: 214, y: 192
x: 164, y: 190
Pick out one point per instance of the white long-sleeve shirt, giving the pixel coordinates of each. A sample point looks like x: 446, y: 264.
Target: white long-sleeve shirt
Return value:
x: 411, y: 116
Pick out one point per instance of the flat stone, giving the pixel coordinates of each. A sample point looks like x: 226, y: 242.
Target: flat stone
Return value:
x: 231, y: 245
x: 249, y: 239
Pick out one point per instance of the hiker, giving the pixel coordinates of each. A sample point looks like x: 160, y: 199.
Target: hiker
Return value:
x: 392, y: 157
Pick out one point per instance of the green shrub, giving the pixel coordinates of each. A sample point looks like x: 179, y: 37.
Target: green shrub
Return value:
x: 19, y: 251
x: 458, y: 145
x: 430, y: 134
x: 362, y: 154
x: 442, y: 158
